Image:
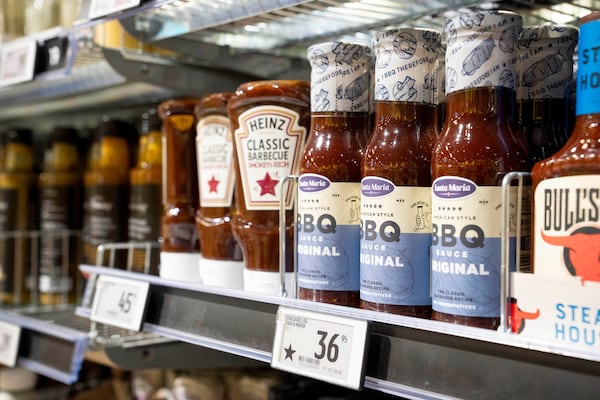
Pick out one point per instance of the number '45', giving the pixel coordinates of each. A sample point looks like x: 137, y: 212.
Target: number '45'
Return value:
x: 125, y: 302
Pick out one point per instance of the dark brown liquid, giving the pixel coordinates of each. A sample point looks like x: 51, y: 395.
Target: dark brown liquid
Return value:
x: 477, y: 143
x: 334, y: 150
x: 257, y: 231
x: 181, y: 182
x: 400, y: 150
x: 214, y: 223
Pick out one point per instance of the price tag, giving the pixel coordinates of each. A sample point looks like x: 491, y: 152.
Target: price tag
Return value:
x: 120, y: 302
x: 100, y: 8
x: 17, y: 61
x: 324, y: 347
x: 10, y: 336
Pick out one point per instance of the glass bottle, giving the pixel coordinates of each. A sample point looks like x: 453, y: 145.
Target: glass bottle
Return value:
x: 106, y: 191
x: 330, y: 172
x: 145, y: 198
x: 269, y: 120
x: 566, y: 185
x: 396, y: 175
x: 61, y: 194
x: 221, y: 257
x: 545, y: 69
x: 180, y: 249
x: 18, y: 216
x: 475, y: 150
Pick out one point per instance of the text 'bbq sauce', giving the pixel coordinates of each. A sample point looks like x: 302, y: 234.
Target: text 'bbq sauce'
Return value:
x: 330, y: 172
x: 180, y: 249
x: 567, y: 185
x: 221, y: 257
x: 269, y: 120
x: 545, y: 87
x: 475, y: 150
x: 396, y: 182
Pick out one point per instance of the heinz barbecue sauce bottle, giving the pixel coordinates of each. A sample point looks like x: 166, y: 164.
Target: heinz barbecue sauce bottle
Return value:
x: 330, y: 172
x: 396, y: 183
x: 221, y: 257
x: 567, y: 185
x: 476, y: 149
x: 269, y: 120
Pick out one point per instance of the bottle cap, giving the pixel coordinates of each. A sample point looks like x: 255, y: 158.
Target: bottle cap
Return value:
x: 150, y: 122
x: 405, y: 64
x: 19, y: 135
x: 481, y: 49
x: 340, y: 76
x: 545, y: 63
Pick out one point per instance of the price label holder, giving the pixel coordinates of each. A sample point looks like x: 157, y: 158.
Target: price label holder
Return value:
x: 17, y: 61
x: 321, y: 346
x: 120, y: 302
x: 10, y: 336
x: 52, y: 54
x: 100, y: 8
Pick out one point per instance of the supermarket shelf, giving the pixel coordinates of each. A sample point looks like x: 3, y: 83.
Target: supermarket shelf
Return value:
x: 407, y: 357
x: 53, y: 341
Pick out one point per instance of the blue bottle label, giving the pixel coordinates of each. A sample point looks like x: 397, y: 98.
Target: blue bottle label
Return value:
x: 588, y: 73
x: 328, y: 234
x: 395, y: 243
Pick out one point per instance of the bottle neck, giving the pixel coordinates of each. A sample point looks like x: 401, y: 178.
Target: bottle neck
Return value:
x: 482, y: 102
x: 150, y: 150
x: 340, y: 122
x: 387, y: 112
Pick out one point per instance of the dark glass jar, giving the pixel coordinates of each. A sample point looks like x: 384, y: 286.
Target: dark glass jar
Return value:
x: 221, y: 257
x: 330, y: 172
x: 545, y: 87
x: 269, y: 120
x: 18, y: 216
x: 396, y: 176
x: 61, y: 193
x: 145, y: 198
x: 180, y: 248
x: 475, y: 150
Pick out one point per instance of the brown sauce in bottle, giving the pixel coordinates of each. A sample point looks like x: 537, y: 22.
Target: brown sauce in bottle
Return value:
x: 329, y: 183
x: 178, y: 224
x: 566, y: 185
x: 269, y: 120
x: 396, y: 171
x: 216, y: 179
x: 475, y: 150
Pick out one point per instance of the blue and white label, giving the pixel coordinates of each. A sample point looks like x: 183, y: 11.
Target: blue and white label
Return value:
x: 328, y: 234
x: 466, y: 251
x: 588, y: 73
x: 395, y: 243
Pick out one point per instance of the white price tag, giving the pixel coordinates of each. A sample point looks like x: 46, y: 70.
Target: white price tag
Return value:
x: 100, y: 8
x: 10, y: 336
x: 320, y: 346
x: 120, y: 302
x: 17, y: 61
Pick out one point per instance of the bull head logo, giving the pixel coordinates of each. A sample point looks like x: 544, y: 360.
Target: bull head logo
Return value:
x: 518, y: 316
x: 581, y: 252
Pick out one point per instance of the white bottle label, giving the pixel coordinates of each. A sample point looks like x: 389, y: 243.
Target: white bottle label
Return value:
x: 269, y: 142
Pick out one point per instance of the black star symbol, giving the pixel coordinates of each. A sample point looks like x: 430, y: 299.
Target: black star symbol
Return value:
x: 289, y: 352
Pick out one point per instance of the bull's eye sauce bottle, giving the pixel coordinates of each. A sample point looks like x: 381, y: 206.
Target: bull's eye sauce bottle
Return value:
x: 567, y: 185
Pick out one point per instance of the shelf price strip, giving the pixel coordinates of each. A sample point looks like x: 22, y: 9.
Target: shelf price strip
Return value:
x: 120, y: 302
x: 320, y: 346
x: 100, y: 8
x: 10, y: 336
x: 17, y: 61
